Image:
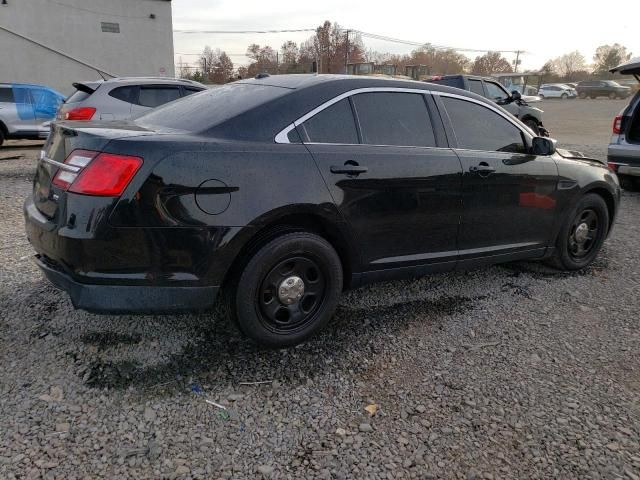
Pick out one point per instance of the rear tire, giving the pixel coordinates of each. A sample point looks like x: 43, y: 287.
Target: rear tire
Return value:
x: 581, y: 237
x: 564, y: 96
x: 1, y: 136
x: 288, y: 290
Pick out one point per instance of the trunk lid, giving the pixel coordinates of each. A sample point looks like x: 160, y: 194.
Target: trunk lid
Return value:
x: 65, y: 138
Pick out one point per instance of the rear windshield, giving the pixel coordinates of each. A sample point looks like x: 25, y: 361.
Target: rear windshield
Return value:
x: 201, y: 111
x: 77, y: 96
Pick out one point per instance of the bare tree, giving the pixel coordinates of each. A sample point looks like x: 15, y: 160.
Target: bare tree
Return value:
x: 609, y: 56
x: 569, y: 64
x: 208, y: 58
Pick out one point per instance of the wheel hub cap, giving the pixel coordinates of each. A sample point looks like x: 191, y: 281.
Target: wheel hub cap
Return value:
x: 291, y: 290
x: 582, y: 231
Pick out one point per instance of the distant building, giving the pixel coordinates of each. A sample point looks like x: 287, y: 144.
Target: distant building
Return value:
x: 57, y: 42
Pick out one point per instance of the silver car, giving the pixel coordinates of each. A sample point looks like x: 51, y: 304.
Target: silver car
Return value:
x: 123, y: 98
x: 623, y: 154
x: 26, y: 110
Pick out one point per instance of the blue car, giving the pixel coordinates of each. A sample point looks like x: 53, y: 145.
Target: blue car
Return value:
x: 27, y: 110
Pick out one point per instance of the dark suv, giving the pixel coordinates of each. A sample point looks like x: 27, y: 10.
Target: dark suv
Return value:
x: 602, y: 88
x: 623, y: 154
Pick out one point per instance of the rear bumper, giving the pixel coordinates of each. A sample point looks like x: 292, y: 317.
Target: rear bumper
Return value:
x: 127, y: 298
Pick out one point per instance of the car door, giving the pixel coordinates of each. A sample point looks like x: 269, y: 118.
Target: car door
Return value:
x: 509, y: 195
x: 393, y: 179
x: 152, y: 96
x: 25, y: 121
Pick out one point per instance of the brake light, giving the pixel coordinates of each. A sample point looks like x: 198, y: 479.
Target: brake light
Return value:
x: 98, y: 174
x: 613, y: 166
x: 81, y: 113
x: 617, y: 124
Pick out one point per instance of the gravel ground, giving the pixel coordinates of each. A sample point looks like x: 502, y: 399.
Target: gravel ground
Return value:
x: 516, y: 371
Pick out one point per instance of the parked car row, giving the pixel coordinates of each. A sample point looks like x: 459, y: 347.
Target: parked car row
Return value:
x: 26, y: 110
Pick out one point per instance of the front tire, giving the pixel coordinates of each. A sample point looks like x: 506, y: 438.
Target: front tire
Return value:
x: 288, y: 290
x: 582, y: 95
x: 612, y: 96
x: 1, y: 137
x: 582, y: 235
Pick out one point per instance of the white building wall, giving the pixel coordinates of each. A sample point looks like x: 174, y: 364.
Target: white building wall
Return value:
x: 143, y: 47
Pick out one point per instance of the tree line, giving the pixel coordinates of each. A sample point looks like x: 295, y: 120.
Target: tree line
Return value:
x: 331, y: 47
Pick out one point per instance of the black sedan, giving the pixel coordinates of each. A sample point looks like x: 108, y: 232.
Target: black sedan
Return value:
x: 278, y: 193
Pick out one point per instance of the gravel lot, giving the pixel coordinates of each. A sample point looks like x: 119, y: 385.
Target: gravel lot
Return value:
x: 516, y: 371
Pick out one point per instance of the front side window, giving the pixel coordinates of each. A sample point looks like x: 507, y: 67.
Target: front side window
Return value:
x: 156, y: 96
x: 334, y: 124
x: 494, y: 92
x: 393, y: 118
x: 480, y: 128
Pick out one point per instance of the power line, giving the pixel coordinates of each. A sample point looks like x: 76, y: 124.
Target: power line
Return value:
x: 423, y: 44
x: 295, y: 30
x: 374, y: 36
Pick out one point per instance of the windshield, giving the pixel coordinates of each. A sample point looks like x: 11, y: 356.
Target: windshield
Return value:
x: 613, y: 84
x: 201, y: 111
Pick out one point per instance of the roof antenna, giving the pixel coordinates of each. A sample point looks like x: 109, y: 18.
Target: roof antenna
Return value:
x: 100, y: 73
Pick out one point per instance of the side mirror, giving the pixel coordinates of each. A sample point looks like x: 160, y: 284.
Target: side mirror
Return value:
x: 516, y: 95
x: 543, y: 146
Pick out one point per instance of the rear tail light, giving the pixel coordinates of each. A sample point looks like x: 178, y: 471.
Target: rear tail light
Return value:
x: 613, y: 166
x: 99, y: 174
x: 81, y: 113
x: 617, y: 124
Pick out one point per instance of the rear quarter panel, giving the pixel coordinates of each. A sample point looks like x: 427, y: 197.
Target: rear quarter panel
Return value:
x: 233, y: 190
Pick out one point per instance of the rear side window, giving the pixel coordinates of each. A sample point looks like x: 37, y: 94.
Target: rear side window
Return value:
x: 197, y: 113
x: 6, y: 95
x: 389, y: 118
x: 479, y: 128
x: 126, y: 94
x: 334, y: 124
x: 156, y: 96
x: 476, y: 87
x: 191, y: 90
x: 78, y: 96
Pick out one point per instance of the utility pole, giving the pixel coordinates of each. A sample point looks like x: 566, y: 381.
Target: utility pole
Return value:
x: 346, y: 53
x: 515, y: 67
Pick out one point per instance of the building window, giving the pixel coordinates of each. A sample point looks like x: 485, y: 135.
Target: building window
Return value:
x: 110, y: 27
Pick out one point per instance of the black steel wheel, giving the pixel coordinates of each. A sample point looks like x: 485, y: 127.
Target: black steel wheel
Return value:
x: 583, y: 234
x: 288, y: 289
x: 291, y: 293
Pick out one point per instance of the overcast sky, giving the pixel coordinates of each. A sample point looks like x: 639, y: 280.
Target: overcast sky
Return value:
x: 542, y: 30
